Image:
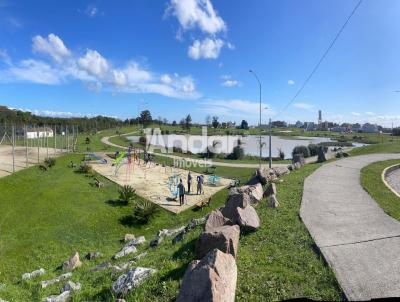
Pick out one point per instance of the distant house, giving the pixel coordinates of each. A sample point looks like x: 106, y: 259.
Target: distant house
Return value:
x: 339, y: 129
x: 37, y: 132
x: 310, y: 126
x: 369, y: 128
x: 298, y: 124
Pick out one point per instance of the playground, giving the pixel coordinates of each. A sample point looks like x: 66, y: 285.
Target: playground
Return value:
x: 156, y: 182
x: 23, y: 158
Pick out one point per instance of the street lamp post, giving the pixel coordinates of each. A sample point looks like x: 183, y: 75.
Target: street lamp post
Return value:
x: 259, y: 83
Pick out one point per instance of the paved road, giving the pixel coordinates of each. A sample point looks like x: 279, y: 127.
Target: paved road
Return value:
x: 359, y: 241
x: 106, y: 140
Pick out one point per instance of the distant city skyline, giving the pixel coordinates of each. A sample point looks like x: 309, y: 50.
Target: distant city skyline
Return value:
x: 179, y: 57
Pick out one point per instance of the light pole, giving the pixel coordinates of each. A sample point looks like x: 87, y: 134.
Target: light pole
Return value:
x: 259, y: 83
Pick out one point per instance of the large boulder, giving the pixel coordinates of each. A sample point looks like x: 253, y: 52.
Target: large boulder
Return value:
x: 130, y: 280
x: 247, y: 218
x: 224, y: 238
x: 273, y: 201
x: 298, y: 158
x: 212, y: 278
x: 271, y: 190
x: 321, y: 155
x: 73, y: 262
x: 216, y: 220
x: 234, y: 201
x: 255, y: 192
x: 260, y: 176
x: 281, y: 171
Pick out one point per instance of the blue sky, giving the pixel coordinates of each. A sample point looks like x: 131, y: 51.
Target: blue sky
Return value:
x: 192, y: 56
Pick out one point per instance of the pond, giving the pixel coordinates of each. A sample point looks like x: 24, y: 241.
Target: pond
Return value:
x: 226, y: 143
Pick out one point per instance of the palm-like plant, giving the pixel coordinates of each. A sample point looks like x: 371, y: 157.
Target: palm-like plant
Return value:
x: 126, y: 193
x: 144, y: 210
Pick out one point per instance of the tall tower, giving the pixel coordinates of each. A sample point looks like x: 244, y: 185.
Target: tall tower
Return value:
x: 319, y: 117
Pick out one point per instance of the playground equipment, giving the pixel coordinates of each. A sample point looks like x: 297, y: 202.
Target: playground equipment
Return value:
x: 214, y: 180
x: 173, y: 182
x: 93, y: 157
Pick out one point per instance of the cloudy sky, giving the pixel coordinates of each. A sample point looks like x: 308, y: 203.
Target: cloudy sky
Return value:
x: 177, y: 57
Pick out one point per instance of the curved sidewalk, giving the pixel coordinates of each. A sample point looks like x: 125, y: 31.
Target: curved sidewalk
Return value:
x: 359, y: 241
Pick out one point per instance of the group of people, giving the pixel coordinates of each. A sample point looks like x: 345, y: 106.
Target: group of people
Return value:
x: 182, y: 191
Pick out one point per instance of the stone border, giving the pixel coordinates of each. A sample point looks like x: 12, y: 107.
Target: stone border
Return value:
x: 385, y: 172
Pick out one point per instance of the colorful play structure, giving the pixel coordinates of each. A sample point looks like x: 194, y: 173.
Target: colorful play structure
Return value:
x: 173, y: 182
x: 214, y: 180
x: 93, y: 157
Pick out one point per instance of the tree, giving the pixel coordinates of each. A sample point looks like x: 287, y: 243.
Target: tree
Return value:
x: 145, y: 117
x: 215, y: 122
x: 87, y: 140
x: 208, y: 120
x: 244, y: 125
x: 174, y: 123
x: 188, y: 122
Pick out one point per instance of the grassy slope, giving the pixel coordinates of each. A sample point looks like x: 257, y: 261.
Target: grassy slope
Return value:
x: 372, y: 182
x: 391, y: 147
x: 45, y: 216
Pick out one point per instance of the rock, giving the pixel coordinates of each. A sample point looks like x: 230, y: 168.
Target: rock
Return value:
x: 273, y: 201
x: 71, y: 287
x: 1, y: 300
x: 60, y: 278
x: 195, y: 222
x: 255, y: 192
x: 234, y: 201
x: 120, y: 300
x: 93, y: 255
x: 63, y: 297
x: 165, y: 233
x: 321, y: 155
x: 129, y: 237
x: 247, y: 219
x: 225, y: 238
x: 140, y: 256
x: 101, y: 267
x: 215, y: 220
x: 126, y: 250
x: 178, y: 238
x: 260, y: 176
x: 33, y: 274
x: 212, y: 278
x: 137, y: 241
x: 298, y: 158
x: 271, y: 190
x: 73, y: 262
x: 297, y: 166
x: 132, y: 279
x: 281, y: 171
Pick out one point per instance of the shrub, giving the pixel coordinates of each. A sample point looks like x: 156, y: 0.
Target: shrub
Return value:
x: 85, y: 169
x: 126, y: 194
x: 301, y: 150
x: 313, y: 149
x: 50, y: 162
x: 281, y: 154
x: 237, y: 153
x: 144, y: 210
x: 142, y: 140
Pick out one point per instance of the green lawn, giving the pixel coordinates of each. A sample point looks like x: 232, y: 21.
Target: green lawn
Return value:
x: 46, y: 215
x: 393, y: 147
x: 371, y: 181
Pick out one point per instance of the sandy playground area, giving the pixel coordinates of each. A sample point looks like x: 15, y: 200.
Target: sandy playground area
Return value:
x: 6, y: 158
x: 151, y: 182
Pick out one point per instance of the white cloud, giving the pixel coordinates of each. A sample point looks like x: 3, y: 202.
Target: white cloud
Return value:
x: 206, y: 49
x: 304, y: 106
x: 290, y: 82
x: 95, y: 71
x: 235, y: 108
x: 91, y: 11
x: 369, y: 113
x: 230, y: 83
x: 14, y: 22
x: 200, y: 14
x: 52, y: 46
x: 355, y: 114
x: 5, y: 57
x: 94, y: 63
x: 31, y: 71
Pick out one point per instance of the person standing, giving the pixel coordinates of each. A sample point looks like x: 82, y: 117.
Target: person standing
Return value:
x: 181, y: 192
x: 189, y: 181
x: 200, y: 180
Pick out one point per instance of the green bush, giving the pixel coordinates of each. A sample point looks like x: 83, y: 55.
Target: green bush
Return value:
x: 142, y: 140
x: 126, y: 194
x: 144, y: 210
x: 84, y: 168
x: 50, y: 162
x: 237, y: 153
x: 313, y: 149
x: 301, y: 150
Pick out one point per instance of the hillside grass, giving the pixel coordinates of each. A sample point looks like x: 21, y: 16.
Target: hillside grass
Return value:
x: 371, y: 181
x: 391, y: 147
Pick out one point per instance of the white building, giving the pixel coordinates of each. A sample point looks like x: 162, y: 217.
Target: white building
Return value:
x: 369, y: 128
x: 38, y: 132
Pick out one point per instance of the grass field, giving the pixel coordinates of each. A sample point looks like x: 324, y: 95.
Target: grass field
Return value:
x: 377, y: 148
x: 47, y: 215
x: 371, y: 181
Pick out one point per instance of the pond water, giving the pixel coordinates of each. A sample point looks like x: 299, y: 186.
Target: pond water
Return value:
x: 226, y: 143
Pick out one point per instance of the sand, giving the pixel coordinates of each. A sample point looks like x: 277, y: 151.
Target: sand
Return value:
x: 151, y: 182
x: 6, y: 158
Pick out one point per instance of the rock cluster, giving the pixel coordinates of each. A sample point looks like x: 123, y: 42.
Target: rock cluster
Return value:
x: 58, y: 279
x: 130, y: 247
x: 130, y: 280
x: 33, y: 274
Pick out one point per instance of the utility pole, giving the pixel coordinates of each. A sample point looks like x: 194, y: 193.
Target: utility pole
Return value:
x: 13, y: 147
x: 259, y: 83
x: 270, y: 143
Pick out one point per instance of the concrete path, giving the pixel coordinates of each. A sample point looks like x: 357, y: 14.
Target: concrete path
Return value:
x: 393, y: 180
x: 106, y: 140
x: 359, y: 241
